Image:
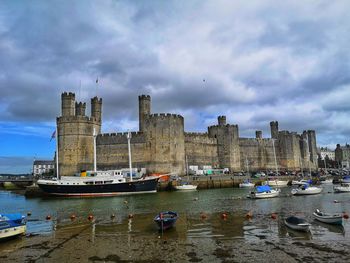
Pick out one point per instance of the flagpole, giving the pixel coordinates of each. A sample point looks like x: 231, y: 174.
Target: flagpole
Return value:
x: 57, y: 174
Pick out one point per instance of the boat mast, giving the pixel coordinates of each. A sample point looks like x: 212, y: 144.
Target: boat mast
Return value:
x: 274, y: 155
x: 129, y: 149
x: 186, y: 167
x: 309, y: 155
x: 57, y: 174
x: 95, y: 166
x: 247, y: 165
x: 301, y: 167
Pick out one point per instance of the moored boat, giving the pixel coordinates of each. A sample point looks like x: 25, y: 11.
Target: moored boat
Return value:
x: 345, y: 179
x: 277, y: 183
x: 306, y: 190
x: 12, y: 225
x: 342, y: 188
x: 335, y: 219
x: 297, y: 223
x: 301, y: 182
x: 166, y: 220
x: 246, y: 184
x: 186, y: 187
x: 264, y: 191
x: 99, y: 183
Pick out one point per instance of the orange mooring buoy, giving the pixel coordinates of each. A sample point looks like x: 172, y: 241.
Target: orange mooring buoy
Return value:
x: 273, y: 215
x: 249, y: 215
x: 346, y: 216
x: 224, y: 215
x: 48, y: 217
x: 72, y: 217
x: 90, y: 217
x: 203, y: 215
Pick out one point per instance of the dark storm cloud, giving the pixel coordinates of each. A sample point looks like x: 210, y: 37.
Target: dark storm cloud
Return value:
x: 254, y: 62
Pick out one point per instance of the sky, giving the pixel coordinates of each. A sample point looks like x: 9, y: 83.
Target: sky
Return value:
x: 253, y: 61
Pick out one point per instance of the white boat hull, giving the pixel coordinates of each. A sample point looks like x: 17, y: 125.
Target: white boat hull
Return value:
x: 308, y: 191
x: 328, y: 181
x: 305, y: 227
x: 12, y: 231
x: 246, y: 185
x: 336, y: 219
x: 343, y: 188
x: 270, y: 194
x: 186, y: 187
x: 277, y: 183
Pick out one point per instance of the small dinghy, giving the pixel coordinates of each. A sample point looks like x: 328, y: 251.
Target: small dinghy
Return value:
x: 12, y: 225
x: 297, y: 223
x: 166, y: 220
x: 246, y: 184
x: 335, y: 219
x: 277, y: 183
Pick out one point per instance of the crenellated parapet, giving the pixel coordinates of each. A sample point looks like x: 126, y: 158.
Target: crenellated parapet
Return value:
x: 120, y: 138
x: 80, y: 108
x: 198, y: 137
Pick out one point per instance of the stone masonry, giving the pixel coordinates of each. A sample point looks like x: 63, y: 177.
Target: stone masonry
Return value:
x: 161, y: 145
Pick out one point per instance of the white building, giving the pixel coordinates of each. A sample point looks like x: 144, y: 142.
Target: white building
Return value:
x: 327, y: 152
x: 42, y: 166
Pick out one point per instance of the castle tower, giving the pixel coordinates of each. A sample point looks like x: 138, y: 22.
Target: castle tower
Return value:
x: 228, y: 145
x: 166, y: 138
x: 311, y: 135
x: 222, y: 120
x: 80, y: 109
x: 96, y: 109
x: 75, y: 135
x: 258, y: 134
x: 274, y: 129
x: 144, y: 110
x: 68, y: 104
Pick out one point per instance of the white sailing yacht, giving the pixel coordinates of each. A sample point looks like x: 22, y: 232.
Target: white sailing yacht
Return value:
x: 186, y: 185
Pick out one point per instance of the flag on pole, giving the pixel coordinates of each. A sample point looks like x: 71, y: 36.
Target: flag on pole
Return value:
x: 53, y: 136
x: 97, y: 80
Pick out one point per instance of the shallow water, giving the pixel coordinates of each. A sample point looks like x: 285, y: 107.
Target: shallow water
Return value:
x: 200, y: 214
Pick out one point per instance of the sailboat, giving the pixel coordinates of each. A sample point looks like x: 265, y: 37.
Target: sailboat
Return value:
x: 247, y: 183
x: 276, y: 182
x: 98, y: 183
x: 186, y: 185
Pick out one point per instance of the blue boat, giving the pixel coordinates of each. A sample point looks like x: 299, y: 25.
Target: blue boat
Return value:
x: 12, y: 225
x: 166, y: 220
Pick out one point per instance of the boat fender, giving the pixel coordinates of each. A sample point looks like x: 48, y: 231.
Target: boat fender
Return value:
x: 273, y: 215
x: 90, y: 217
x: 346, y: 215
x: 48, y: 217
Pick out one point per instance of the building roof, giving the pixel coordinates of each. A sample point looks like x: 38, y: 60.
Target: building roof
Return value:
x: 41, y: 162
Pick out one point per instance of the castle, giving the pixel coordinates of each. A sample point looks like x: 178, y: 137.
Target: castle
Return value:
x: 162, y: 146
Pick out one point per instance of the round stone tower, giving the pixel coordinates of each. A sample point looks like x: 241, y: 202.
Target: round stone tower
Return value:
x: 75, y: 135
x: 274, y: 129
x: 165, y: 134
x: 144, y: 110
x: 222, y: 120
x: 96, y: 109
x: 68, y: 104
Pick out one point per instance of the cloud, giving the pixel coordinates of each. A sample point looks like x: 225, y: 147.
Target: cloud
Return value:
x: 254, y: 62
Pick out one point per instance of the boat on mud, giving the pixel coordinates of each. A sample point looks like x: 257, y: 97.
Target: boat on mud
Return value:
x: 335, y: 219
x: 297, y: 223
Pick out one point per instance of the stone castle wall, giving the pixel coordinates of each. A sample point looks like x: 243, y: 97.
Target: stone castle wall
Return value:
x: 162, y: 145
x: 200, y: 149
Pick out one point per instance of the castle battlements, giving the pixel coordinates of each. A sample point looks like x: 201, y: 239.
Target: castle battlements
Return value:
x: 165, y: 115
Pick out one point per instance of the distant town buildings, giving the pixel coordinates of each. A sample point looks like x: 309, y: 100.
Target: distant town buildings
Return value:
x: 327, y: 153
x: 342, y: 155
x: 42, y: 166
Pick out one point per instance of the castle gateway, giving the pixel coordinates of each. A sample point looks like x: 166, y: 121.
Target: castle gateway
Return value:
x: 161, y: 145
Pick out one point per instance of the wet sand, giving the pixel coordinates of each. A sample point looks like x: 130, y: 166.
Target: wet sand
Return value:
x: 82, y: 244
